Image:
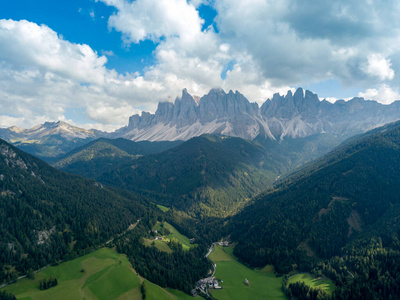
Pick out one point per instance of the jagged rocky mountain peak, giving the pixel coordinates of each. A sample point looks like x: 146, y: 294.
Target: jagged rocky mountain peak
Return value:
x: 276, y: 97
x: 216, y: 90
x: 299, y: 93
x: 185, y: 97
x: 289, y: 95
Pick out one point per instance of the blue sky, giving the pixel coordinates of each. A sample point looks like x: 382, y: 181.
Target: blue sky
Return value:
x: 95, y: 63
x: 83, y: 22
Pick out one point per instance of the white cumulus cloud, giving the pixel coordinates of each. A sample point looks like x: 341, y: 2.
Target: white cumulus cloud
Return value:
x: 27, y: 45
x: 152, y: 19
x: 42, y: 75
x: 383, y: 94
x: 379, y: 66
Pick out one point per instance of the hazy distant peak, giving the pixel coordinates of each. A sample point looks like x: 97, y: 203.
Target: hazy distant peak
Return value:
x: 16, y: 129
x: 53, y: 128
x: 216, y: 90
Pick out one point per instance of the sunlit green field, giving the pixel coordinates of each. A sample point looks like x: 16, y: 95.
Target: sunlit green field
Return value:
x: 325, y: 284
x: 155, y: 292
x: 183, y: 240
x: 263, y: 284
x: 160, y: 245
x: 163, y: 208
x: 103, y: 274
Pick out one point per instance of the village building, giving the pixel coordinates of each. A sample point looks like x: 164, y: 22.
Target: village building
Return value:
x: 194, y: 293
x: 216, y: 286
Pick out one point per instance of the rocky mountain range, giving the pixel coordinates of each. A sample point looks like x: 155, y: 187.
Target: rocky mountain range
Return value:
x: 295, y: 115
x: 50, y: 140
x: 61, y: 128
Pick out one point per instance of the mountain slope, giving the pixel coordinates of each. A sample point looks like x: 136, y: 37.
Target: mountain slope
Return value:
x: 100, y: 155
x: 207, y: 175
x: 48, y: 215
x: 49, y: 140
x: 49, y: 148
x: 350, y: 194
x: 49, y: 128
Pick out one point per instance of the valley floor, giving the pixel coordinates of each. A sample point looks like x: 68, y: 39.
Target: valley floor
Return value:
x: 262, y: 283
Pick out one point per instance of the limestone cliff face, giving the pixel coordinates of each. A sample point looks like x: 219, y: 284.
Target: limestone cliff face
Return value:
x: 299, y: 116
x: 217, y: 112
x: 294, y: 115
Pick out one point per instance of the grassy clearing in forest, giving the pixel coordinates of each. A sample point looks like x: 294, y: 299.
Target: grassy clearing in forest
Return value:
x: 163, y: 208
x: 263, y: 284
x: 160, y: 245
x: 174, y: 233
x: 325, y: 284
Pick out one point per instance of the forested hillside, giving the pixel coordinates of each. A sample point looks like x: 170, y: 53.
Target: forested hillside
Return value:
x: 50, y: 148
x: 330, y: 213
x: 103, y: 154
x: 207, y: 175
x: 47, y: 215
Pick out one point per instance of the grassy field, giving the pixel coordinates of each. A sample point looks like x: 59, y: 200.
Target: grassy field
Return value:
x: 106, y: 275
x: 156, y: 292
x: 183, y: 240
x: 325, y: 284
x: 222, y: 254
x: 163, y: 208
x: 160, y: 245
x: 263, y: 282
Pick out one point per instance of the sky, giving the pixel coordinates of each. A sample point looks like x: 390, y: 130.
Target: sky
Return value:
x: 94, y: 63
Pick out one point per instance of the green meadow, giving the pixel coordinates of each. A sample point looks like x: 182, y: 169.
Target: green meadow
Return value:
x: 183, y: 240
x: 102, y: 274
x: 263, y: 284
x: 160, y: 245
x: 163, y: 208
x: 325, y: 284
x: 156, y: 292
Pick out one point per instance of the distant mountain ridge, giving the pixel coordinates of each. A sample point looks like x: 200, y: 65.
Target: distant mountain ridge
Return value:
x: 295, y: 115
x: 49, y: 128
x: 50, y: 140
